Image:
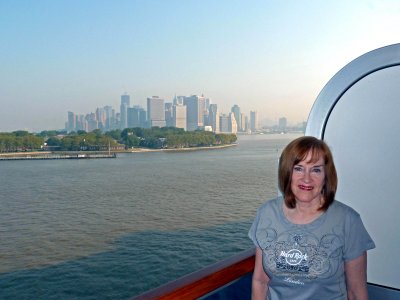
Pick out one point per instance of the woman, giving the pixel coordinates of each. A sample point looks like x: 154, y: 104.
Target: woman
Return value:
x: 309, y: 245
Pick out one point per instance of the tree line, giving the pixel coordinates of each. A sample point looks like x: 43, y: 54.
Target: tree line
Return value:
x: 154, y: 138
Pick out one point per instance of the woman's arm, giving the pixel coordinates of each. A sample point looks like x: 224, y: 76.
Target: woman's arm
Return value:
x: 260, y: 280
x: 356, y: 278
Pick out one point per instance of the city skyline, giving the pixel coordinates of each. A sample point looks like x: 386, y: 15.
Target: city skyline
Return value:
x: 270, y: 56
x: 187, y: 112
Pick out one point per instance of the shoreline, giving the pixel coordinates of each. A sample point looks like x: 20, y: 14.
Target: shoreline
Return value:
x: 134, y: 150
x: 143, y: 150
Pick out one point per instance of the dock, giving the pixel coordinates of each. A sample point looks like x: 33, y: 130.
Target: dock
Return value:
x: 57, y: 156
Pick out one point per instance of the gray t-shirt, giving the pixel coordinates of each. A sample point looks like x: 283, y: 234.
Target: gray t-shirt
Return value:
x: 307, y: 261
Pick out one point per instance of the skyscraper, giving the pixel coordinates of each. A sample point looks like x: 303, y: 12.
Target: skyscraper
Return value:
x: 223, y: 123
x: 213, y: 117
x: 155, y: 112
x: 243, y: 122
x: 253, y: 121
x: 168, y: 115
x: 71, y: 124
x: 125, y: 103
x: 126, y: 99
x: 101, y: 118
x: 232, y: 125
x: 195, y: 111
x: 109, y: 118
x: 136, y: 117
x: 236, y: 111
x: 178, y: 100
x: 179, y: 116
x: 282, y: 124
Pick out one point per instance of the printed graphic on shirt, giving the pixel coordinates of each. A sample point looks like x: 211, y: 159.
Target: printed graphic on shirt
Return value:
x: 300, y: 256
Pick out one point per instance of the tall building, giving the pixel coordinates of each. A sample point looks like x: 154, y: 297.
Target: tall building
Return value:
x: 178, y: 100
x: 92, y: 122
x: 253, y: 121
x: 236, y: 111
x: 126, y: 99
x: 179, y: 116
x: 213, y: 117
x: 282, y: 124
x: 232, y: 125
x: 71, y: 124
x: 224, y: 123
x: 125, y: 103
x: 101, y: 118
x: 243, y: 122
x: 109, y: 118
x: 194, y: 112
x: 82, y: 123
x: 169, y: 121
x: 132, y: 116
x: 155, y: 112
x: 247, y: 124
x: 142, y: 117
x: 136, y: 117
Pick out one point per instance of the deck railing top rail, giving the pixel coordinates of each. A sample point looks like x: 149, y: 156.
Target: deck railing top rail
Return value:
x: 204, y: 281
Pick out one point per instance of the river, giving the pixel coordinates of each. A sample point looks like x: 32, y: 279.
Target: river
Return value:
x: 113, y: 228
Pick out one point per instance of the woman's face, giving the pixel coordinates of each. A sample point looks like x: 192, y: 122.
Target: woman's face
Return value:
x: 308, y: 179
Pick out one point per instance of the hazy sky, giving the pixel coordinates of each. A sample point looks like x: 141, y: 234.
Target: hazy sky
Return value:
x: 270, y: 56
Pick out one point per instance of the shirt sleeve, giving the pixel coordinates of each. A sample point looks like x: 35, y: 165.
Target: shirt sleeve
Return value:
x: 253, y: 229
x: 357, y: 239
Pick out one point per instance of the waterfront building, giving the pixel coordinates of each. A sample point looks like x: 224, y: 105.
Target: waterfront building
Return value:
x: 71, y: 122
x: 108, y: 118
x: 228, y: 123
x: 101, y: 118
x: 168, y: 114
x: 232, y: 125
x: 179, y: 116
x: 92, y: 125
x: 243, y: 122
x: 132, y: 117
x: 142, y: 117
x: 136, y: 117
x: 247, y: 124
x: 282, y: 124
x: 125, y: 103
x: 178, y: 100
x: 194, y: 112
x: 155, y: 112
x: 81, y: 123
x: 236, y: 112
x: 213, y: 117
x: 253, y: 121
x: 126, y: 99
x: 207, y: 103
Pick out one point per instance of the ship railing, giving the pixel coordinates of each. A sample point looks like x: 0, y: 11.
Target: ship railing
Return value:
x: 205, y: 281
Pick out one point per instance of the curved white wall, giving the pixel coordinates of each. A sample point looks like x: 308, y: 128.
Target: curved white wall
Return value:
x: 363, y: 131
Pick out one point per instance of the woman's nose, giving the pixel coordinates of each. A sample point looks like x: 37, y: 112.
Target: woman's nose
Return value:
x: 306, y: 175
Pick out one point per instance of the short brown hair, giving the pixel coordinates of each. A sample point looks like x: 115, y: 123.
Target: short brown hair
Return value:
x: 297, y: 151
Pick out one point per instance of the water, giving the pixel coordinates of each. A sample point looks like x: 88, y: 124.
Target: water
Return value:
x: 111, y: 229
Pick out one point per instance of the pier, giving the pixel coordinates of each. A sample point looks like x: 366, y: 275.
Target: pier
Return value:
x: 57, y: 156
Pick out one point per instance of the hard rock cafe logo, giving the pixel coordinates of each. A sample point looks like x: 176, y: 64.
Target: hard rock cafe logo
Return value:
x: 293, y: 257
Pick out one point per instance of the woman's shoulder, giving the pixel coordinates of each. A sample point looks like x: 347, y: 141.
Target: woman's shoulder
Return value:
x: 270, y: 206
x: 274, y: 202
x: 343, y: 209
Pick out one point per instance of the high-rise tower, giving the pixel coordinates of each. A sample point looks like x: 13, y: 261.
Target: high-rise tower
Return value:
x: 236, y: 112
x: 155, y: 112
x: 125, y: 103
x: 213, y: 117
x: 253, y: 121
x: 196, y: 109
